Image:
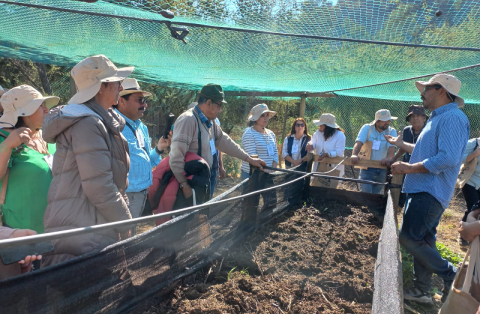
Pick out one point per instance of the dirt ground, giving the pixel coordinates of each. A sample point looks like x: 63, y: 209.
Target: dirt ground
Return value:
x: 319, y: 258
x: 296, y: 285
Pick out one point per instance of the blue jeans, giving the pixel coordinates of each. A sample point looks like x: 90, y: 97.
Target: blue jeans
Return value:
x: 213, y: 180
x: 421, y: 216
x: 244, y: 175
x: 375, y: 175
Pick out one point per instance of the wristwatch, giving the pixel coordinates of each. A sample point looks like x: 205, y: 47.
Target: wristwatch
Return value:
x: 182, y: 185
x: 159, y: 152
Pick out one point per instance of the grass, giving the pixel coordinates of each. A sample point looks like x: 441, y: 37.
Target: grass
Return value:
x: 407, y: 262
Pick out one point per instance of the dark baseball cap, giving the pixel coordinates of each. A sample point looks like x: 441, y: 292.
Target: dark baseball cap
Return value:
x: 213, y: 92
x: 416, y: 109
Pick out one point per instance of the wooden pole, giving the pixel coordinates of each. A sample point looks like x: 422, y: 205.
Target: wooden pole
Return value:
x: 302, y: 106
x: 284, y: 127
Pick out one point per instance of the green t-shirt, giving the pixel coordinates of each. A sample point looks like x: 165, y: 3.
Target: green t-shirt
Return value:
x: 27, y: 190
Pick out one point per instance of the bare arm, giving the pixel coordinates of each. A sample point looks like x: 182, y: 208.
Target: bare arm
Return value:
x: 398, y: 141
x: 399, y: 154
x: 14, y: 139
x: 356, y: 149
x: 403, y: 167
x: 473, y: 154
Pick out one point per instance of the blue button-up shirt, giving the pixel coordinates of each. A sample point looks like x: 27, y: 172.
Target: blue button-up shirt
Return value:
x: 142, y: 159
x: 440, y: 147
x: 376, y: 136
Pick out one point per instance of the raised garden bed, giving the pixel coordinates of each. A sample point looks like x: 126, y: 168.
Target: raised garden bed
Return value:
x: 317, y: 258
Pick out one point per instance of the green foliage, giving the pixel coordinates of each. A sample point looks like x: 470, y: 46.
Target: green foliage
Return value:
x: 407, y: 261
x: 232, y: 166
x: 230, y: 273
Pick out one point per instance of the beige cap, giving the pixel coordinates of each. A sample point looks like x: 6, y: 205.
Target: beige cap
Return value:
x: 258, y: 110
x: 449, y: 82
x: 90, y: 73
x: 383, y: 115
x: 327, y: 119
x: 130, y: 86
x: 22, y: 101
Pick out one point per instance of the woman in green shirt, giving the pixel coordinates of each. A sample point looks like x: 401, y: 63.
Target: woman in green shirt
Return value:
x: 25, y: 162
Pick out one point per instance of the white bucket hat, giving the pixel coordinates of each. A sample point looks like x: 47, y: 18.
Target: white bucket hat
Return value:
x: 258, y: 110
x: 130, y: 86
x: 383, y: 115
x: 327, y: 119
x: 449, y: 82
x: 22, y: 101
x: 90, y: 73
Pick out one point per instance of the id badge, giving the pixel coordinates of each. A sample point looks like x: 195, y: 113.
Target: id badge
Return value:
x: 141, y: 139
x: 295, y: 149
x: 270, y: 149
x: 212, y: 147
x: 376, y: 145
x: 49, y: 161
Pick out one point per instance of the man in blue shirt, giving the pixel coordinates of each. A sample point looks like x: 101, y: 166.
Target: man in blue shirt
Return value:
x: 381, y: 150
x: 430, y: 181
x: 131, y: 106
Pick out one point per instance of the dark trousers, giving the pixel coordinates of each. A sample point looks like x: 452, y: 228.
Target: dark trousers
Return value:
x: 471, y: 196
x: 421, y: 216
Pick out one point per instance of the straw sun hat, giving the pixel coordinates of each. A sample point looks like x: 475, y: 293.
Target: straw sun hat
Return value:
x: 90, y: 73
x: 22, y: 101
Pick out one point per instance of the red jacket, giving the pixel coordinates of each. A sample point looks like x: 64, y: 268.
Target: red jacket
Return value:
x: 170, y: 195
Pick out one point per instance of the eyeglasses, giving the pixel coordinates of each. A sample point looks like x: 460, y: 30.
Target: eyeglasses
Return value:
x: 300, y: 125
x: 436, y: 86
x: 142, y: 100
x: 218, y: 104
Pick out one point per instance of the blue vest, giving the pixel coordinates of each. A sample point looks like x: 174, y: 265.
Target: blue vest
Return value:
x: 303, y: 149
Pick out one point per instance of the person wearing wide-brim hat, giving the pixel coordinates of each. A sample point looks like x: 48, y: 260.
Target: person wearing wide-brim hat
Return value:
x: 374, y: 133
x: 328, y: 140
x: 91, y: 164
x: 131, y: 106
x: 196, y: 132
x: 24, y: 164
x: 430, y: 181
x: 258, y: 140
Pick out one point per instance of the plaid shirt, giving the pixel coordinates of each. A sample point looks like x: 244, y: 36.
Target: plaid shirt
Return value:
x: 203, y: 118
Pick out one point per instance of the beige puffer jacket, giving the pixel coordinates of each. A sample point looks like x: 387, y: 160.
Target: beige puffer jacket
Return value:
x: 90, y: 170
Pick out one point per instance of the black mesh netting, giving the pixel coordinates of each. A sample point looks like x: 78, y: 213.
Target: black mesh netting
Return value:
x: 123, y: 275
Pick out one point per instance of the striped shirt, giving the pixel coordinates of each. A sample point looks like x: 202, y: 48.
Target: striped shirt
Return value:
x: 255, y: 143
x: 440, y: 147
x: 142, y: 159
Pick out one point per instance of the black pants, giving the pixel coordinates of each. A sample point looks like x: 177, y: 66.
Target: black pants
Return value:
x: 472, y: 196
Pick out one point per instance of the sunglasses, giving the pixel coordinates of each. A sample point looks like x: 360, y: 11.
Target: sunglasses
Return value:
x: 436, y: 86
x: 142, y: 100
x: 300, y: 125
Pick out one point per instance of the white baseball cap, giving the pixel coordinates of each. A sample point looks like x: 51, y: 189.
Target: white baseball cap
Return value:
x: 447, y: 81
x: 91, y: 72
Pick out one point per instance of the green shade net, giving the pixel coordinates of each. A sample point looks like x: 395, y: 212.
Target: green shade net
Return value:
x: 245, y: 61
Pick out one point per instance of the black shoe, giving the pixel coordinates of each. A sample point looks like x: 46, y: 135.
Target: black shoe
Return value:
x: 446, y: 289
x: 415, y: 294
x: 462, y: 242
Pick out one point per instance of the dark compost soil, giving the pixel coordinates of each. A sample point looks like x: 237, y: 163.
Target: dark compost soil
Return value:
x: 316, y: 258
